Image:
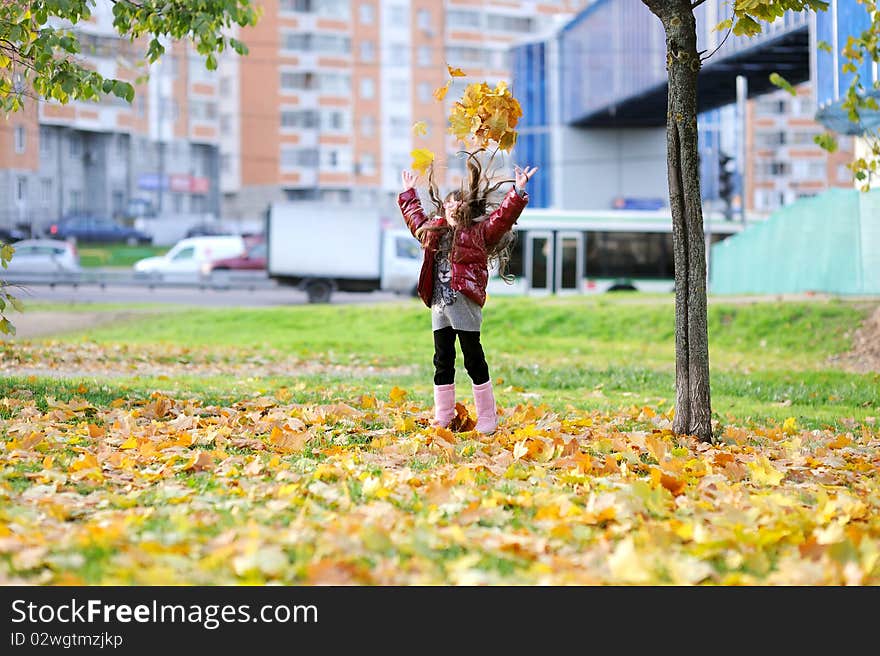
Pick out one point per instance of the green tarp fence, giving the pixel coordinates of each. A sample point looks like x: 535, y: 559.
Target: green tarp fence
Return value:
x: 827, y: 243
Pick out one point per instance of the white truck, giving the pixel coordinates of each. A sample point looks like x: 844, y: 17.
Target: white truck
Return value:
x: 322, y: 248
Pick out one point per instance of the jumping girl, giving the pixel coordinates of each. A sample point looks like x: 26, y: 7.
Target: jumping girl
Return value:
x: 460, y: 241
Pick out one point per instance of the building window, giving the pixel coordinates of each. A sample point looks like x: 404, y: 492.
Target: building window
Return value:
x: 368, y: 88
x: 335, y: 83
x: 334, y: 121
x: 118, y: 202
x: 368, y: 126
x: 295, y: 157
x: 367, y: 164
x: 462, y: 19
x: 399, y: 90
x: 368, y: 51
x: 202, y: 110
x: 340, y: 9
x: 425, y: 94
x: 398, y: 15
x: 121, y: 150
x: 226, y: 163
x: 75, y: 145
x: 503, y: 23
x: 46, y: 190
x: 75, y: 200
x: 424, y: 56
x: 367, y: 14
x: 297, y: 81
x: 332, y: 44
x: 299, y: 119
x: 45, y: 143
x: 19, y: 139
x: 399, y: 53
x: 21, y: 190
x: 424, y: 19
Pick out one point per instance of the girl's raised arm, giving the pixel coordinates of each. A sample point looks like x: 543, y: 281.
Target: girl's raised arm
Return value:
x: 503, y: 218
x: 410, y: 205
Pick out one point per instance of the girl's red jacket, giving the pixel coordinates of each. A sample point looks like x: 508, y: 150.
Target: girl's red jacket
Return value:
x: 469, y: 261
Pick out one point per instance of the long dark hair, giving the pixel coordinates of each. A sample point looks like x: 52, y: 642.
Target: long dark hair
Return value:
x: 478, y: 197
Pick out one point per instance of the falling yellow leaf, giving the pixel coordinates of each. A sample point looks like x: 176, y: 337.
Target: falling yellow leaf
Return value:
x: 421, y: 159
x: 455, y: 72
x: 420, y: 128
x: 440, y: 92
x: 762, y: 472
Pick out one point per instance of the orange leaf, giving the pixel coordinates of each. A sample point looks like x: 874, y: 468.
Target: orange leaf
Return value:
x: 455, y: 72
x: 440, y: 92
x: 673, y: 484
x: 96, y: 431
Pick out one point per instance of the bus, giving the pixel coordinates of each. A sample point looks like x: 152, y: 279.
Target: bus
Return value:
x: 583, y: 252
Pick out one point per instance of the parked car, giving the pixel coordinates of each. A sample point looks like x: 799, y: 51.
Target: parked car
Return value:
x: 96, y: 229
x: 186, y: 257
x: 42, y: 256
x: 253, y: 258
x: 11, y: 235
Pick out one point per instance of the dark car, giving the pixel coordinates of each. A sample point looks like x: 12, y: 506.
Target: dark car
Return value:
x: 253, y: 259
x: 11, y: 235
x: 96, y: 229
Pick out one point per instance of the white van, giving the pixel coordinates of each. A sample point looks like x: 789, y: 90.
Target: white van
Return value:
x: 186, y: 257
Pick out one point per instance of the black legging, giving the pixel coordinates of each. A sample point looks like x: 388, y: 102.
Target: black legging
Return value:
x: 444, y: 356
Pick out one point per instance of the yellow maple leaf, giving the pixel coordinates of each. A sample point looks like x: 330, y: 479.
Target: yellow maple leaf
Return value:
x: 507, y: 141
x: 422, y: 159
x: 455, y: 72
x: 397, y: 394
x: 763, y: 472
x: 130, y: 443
x: 420, y: 128
x: 440, y: 92
x: 789, y: 426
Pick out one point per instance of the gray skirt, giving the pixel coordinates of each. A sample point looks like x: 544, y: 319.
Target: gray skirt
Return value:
x: 463, y: 314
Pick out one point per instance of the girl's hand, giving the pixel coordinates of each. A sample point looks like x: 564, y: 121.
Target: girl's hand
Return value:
x: 409, y: 180
x: 523, y: 175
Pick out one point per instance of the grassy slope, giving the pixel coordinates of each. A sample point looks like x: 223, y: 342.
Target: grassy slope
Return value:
x: 769, y: 360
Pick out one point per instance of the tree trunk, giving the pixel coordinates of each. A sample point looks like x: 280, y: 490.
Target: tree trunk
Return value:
x: 693, y: 411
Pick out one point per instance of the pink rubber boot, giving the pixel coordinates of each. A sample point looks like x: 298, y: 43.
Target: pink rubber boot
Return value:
x: 444, y: 404
x: 484, y: 400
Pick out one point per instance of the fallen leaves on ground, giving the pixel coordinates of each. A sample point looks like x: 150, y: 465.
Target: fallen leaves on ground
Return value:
x: 364, y: 491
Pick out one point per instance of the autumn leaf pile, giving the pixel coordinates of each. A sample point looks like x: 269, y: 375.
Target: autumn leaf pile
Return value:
x: 363, y: 491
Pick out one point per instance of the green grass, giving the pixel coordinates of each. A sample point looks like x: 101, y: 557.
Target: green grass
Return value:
x: 769, y: 361
x: 115, y: 255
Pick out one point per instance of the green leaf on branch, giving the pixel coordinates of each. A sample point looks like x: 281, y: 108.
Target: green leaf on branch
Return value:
x: 826, y: 141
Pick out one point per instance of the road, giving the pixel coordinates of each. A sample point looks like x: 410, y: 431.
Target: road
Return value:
x: 258, y: 297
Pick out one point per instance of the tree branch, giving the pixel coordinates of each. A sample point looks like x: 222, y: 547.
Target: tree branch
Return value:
x: 697, y: 3
x: 729, y: 30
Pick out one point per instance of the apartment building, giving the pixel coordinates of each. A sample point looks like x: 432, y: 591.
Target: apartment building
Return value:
x: 112, y: 158
x: 323, y: 105
x: 783, y: 163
